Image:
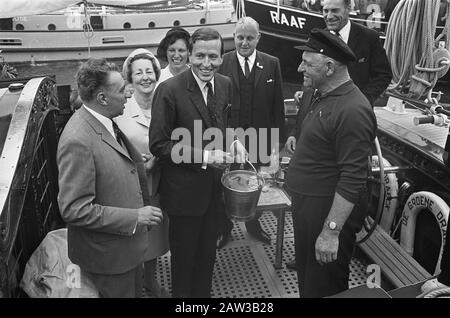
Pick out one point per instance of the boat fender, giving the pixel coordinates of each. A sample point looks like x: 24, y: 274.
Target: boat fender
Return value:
x: 391, y: 202
x: 414, y: 205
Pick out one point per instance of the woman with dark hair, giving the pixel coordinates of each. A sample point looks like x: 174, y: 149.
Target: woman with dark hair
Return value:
x: 174, y: 50
x: 142, y: 70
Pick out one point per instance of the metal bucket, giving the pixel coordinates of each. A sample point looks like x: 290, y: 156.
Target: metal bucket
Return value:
x: 240, y: 205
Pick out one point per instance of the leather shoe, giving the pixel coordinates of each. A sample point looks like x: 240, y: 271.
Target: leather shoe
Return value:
x: 255, y: 230
x: 292, y: 265
x: 223, y: 239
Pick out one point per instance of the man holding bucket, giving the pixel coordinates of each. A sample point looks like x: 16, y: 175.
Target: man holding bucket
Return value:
x: 328, y: 172
x: 185, y: 107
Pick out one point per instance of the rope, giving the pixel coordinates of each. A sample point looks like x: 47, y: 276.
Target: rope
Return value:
x: 240, y: 9
x: 88, y: 30
x: 415, y: 60
x: 443, y: 292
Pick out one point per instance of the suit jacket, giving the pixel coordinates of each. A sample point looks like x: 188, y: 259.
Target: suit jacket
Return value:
x: 99, y: 194
x: 371, y: 72
x: 268, y: 103
x: 185, y: 188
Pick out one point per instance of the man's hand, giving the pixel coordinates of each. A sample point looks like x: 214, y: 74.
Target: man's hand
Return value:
x: 290, y: 144
x: 238, y: 151
x: 149, y: 161
x: 219, y: 159
x: 149, y: 215
x: 297, y: 96
x: 327, y: 245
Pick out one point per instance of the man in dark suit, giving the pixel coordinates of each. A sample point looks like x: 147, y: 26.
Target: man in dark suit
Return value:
x: 185, y: 108
x: 371, y: 71
x: 102, y: 190
x: 257, y: 103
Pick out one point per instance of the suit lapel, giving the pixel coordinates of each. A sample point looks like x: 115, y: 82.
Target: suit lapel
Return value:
x: 234, y: 66
x: 258, y: 67
x: 136, y: 114
x: 221, y: 99
x: 353, y: 37
x: 102, y: 131
x: 197, y: 98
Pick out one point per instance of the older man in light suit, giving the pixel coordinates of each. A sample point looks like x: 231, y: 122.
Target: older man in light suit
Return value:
x: 103, y: 196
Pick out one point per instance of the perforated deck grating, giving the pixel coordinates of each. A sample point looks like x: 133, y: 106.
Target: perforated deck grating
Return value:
x: 245, y: 267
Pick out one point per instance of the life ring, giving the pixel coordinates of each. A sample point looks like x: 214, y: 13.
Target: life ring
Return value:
x: 414, y: 205
x: 391, y: 202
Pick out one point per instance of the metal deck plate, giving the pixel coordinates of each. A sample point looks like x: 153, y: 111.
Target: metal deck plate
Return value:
x: 244, y: 267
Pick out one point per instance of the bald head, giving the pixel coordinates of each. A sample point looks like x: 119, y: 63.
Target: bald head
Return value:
x: 246, y: 36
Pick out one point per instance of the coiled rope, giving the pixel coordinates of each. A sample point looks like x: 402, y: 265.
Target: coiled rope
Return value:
x: 416, y: 60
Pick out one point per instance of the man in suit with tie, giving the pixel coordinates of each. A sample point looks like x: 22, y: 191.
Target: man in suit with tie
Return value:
x: 185, y: 108
x: 102, y: 192
x: 371, y: 71
x: 257, y: 103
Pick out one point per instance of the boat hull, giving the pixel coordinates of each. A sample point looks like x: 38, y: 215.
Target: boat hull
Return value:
x: 119, y: 35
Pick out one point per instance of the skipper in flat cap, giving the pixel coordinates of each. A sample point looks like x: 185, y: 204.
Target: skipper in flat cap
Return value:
x: 327, y: 43
x: 328, y: 171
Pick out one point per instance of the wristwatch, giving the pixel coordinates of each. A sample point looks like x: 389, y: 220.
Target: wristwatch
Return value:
x: 332, y: 226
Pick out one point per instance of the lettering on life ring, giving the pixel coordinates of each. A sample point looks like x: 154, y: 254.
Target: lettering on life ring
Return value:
x: 391, y: 203
x: 416, y: 203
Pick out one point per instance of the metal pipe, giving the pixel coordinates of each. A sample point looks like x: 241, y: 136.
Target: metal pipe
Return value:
x: 391, y: 169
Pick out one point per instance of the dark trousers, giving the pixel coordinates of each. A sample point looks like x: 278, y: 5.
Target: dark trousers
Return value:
x: 192, y: 241
x: 444, y: 276
x: 126, y: 285
x: 315, y: 280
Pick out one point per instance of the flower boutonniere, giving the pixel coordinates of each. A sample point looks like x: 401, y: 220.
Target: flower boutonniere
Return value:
x: 259, y: 65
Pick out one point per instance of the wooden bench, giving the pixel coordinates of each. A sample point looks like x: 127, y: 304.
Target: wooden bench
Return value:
x: 400, y: 268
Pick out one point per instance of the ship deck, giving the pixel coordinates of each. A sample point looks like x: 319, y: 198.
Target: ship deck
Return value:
x: 244, y: 268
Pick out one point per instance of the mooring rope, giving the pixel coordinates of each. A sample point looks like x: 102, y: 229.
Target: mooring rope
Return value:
x: 416, y: 60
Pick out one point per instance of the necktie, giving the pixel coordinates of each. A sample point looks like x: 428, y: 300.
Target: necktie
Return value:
x: 247, y: 68
x: 117, y: 133
x: 211, y: 102
x: 339, y: 35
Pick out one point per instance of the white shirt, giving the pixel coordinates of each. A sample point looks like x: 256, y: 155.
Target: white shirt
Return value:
x: 251, y: 61
x: 203, y: 88
x: 344, y: 33
x: 105, y: 121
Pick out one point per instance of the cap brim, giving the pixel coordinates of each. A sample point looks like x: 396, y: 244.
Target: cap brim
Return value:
x: 305, y: 48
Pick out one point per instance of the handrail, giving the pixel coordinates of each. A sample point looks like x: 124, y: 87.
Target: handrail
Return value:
x: 15, y: 137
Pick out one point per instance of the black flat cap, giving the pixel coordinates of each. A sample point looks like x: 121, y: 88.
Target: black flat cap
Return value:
x: 326, y: 43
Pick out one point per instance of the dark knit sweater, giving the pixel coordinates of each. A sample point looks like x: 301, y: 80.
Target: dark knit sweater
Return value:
x: 335, y: 141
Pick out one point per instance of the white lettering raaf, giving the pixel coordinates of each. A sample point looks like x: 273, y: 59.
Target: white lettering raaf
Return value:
x: 290, y: 20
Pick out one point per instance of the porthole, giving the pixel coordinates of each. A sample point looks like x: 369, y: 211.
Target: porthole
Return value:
x: 202, y: 21
x: 20, y: 27
x: 126, y: 25
x: 151, y: 24
x: 51, y: 27
x: 176, y: 23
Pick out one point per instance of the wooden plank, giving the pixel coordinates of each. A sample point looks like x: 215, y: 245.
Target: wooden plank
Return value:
x: 398, y: 266
x: 398, y: 260
x: 406, y: 259
x: 367, y: 248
